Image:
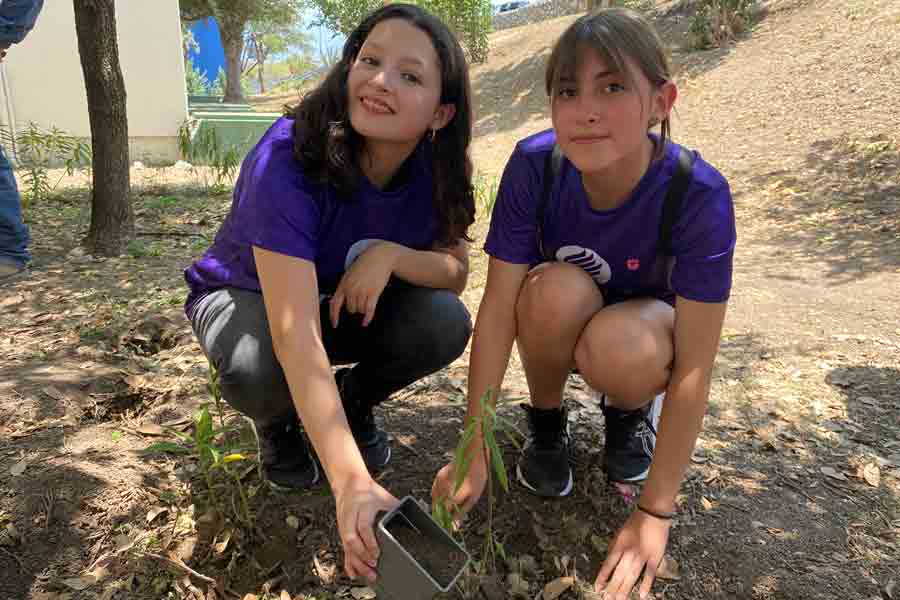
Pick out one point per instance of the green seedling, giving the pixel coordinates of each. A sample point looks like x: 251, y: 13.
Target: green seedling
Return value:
x: 37, y: 150
x: 212, y: 448
x: 488, y: 425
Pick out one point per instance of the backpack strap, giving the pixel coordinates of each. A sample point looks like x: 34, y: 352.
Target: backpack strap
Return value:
x: 552, y: 166
x: 678, y: 187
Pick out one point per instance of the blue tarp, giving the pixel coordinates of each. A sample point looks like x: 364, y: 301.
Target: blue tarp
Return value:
x: 211, y: 56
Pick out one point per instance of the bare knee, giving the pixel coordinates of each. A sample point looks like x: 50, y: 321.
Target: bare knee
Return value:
x: 555, y: 296
x: 627, y: 359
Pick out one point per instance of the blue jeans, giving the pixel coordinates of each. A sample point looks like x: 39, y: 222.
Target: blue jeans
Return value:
x: 13, y: 231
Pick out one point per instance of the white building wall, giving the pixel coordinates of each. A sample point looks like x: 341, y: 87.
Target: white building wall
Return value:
x: 46, y: 85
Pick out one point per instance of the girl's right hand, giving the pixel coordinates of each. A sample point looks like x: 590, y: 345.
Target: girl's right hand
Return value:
x: 468, y: 493
x: 358, y: 503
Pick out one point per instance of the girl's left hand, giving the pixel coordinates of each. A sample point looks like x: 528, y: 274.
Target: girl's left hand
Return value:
x: 639, y: 546
x: 363, y: 282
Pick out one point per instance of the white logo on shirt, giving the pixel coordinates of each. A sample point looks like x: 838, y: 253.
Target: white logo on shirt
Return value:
x: 356, y: 249
x: 587, y: 259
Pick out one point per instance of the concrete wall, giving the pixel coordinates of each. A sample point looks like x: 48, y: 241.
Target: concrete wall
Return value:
x: 46, y: 84
x: 535, y: 13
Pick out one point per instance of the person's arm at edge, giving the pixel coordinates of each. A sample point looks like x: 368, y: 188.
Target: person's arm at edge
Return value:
x: 495, y: 332
x: 290, y: 292
x: 17, y: 18
x: 698, y: 329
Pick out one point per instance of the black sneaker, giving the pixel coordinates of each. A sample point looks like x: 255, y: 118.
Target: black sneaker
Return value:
x: 373, y: 443
x: 544, y: 465
x: 285, y: 457
x: 630, y: 440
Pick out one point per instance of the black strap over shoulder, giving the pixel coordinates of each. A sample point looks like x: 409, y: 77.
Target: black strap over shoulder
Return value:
x: 552, y: 166
x: 678, y: 187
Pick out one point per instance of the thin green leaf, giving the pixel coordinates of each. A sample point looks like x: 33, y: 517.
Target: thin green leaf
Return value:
x: 464, y: 442
x: 496, y: 458
x: 204, y: 425
x: 501, y: 551
x: 461, y: 471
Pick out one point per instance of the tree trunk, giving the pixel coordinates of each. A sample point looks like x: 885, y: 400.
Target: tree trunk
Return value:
x: 232, y: 34
x: 112, y: 219
x: 262, y: 81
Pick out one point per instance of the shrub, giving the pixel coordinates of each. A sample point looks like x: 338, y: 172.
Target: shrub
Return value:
x: 718, y: 21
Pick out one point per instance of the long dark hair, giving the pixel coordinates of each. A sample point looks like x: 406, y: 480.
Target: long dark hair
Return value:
x: 614, y: 34
x: 328, y: 147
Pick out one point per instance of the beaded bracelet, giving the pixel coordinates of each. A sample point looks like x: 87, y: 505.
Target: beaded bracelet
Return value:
x: 663, y: 516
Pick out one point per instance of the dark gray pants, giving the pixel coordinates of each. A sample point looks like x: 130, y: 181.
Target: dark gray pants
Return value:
x: 415, y: 332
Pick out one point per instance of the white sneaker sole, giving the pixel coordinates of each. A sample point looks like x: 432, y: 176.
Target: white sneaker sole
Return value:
x: 565, y: 492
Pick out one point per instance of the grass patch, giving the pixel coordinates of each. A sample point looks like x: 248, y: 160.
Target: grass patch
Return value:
x: 140, y: 249
x: 486, y: 187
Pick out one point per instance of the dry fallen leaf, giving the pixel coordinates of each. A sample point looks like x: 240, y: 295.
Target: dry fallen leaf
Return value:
x: 555, y: 588
x: 362, y: 593
x: 834, y: 474
x: 870, y: 474
x: 292, y: 522
x: 122, y: 542
x: 223, y: 542
x: 18, y: 468
x: 284, y: 595
x: 135, y: 381
x: 669, y: 569
x: 707, y: 505
x: 324, y: 572
x: 518, y: 586
x: 151, y: 429
x: 81, y: 583
x: 54, y: 393
x: 155, y: 512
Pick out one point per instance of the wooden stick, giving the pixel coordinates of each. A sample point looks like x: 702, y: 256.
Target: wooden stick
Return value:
x: 181, y: 565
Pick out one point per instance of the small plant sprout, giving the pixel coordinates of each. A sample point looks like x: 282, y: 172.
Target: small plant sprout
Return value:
x: 487, y: 425
x: 213, y: 449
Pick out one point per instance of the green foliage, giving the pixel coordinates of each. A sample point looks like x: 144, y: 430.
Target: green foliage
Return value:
x: 206, y: 148
x: 486, y: 188
x: 38, y: 150
x: 195, y: 81
x: 469, y: 19
x: 213, y: 448
x: 719, y: 21
x: 267, y: 40
x: 234, y: 16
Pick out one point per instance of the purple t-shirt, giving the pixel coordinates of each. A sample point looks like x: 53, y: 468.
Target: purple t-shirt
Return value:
x: 277, y: 208
x: 618, y: 247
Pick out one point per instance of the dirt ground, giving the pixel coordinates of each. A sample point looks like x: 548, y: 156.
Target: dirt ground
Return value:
x: 794, y: 490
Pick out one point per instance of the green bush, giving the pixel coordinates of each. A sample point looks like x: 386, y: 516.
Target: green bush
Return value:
x: 38, y: 150
x: 719, y: 21
x: 207, y: 148
x: 195, y: 82
x: 470, y: 19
